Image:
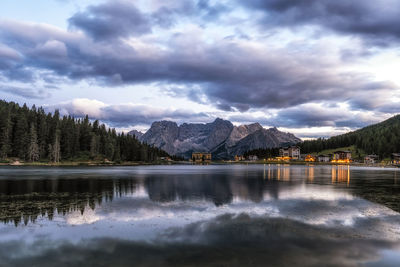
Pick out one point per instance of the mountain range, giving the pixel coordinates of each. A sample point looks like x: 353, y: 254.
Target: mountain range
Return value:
x: 220, y: 137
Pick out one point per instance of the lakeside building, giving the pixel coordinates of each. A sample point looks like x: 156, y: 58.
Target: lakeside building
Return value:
x: 239, y: 158
x: 166, y: 159
x: 371, y: 159
x: 310, y: 158
x: 201, y: 157
x: 342, y: 156
x: 324, y: 158
x: 396, y: 158
x: 289, y: 153
x: 252, y: 158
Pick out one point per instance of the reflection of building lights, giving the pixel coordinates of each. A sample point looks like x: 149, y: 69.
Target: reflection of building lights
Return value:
x: 286, y: 174
x: 348, y: 175
x: 310, y: 176
x: 279, y: 173
x: 333, y: 174
x: 269, y: 172
x: 341, y: 174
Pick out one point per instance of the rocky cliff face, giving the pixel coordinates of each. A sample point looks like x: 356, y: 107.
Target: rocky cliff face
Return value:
x: 220, y: 138
x: 136, y: 133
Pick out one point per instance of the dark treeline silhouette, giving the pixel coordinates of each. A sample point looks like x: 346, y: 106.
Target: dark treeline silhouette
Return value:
x: 23, y: 201
x: 263, y: 153
x: 31, y: 134
x: 381, y: 139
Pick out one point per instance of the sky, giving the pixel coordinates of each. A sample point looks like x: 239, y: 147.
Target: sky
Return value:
x: 315, y: 68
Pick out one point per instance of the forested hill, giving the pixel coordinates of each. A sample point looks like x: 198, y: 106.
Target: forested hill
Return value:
x: 381, y: 139
x: 32, y: 135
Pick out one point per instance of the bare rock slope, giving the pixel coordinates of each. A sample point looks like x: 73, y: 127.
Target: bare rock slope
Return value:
x: 220, y: 138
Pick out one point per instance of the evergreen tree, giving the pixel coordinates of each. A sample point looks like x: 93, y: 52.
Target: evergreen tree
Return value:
x: 33, y: 150
x: 54, y: 149
x: 5, y: 128
x: 33, y: 134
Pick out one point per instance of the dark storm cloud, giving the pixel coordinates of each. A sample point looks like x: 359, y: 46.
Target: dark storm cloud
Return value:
x: 377, y: 21
x: 115, y: 19
x: 231, y: 74
x: 111, y: 20
x: 228, y: 74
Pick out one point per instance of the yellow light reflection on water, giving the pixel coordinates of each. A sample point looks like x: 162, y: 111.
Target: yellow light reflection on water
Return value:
x: 310, y: 174
x: 341, y: 174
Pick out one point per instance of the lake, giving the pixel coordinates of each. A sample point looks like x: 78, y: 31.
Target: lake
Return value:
x: 215, y: 215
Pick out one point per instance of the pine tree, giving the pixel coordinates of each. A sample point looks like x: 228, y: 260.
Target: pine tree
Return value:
x: 94, y: 146
x: 33, y: 150
x: 20, y: 140
x: 54, y: 149
x: 5, y: 142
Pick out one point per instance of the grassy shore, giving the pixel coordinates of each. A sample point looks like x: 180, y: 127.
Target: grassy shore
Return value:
x: 141, y: 163
x: 383, y: 164
x: 86, y: 163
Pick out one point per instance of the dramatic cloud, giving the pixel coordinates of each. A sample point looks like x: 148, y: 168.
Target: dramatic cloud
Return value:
x: 125, y: 114
x: 279, y: 58
x: 374, y: 20
x: 230, y: 74
x: 27, y: 92
x: 111, y: 20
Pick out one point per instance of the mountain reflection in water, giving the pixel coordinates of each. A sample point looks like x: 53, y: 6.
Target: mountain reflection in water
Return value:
x: 228, y: 215
x: 25, y: 196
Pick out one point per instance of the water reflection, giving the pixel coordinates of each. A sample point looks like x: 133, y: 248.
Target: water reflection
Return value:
x: 23, y: 199
x: 341, y: 174
x: 173, y: 216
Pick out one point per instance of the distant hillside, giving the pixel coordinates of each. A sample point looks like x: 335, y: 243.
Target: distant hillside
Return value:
x: 31, y: 134
x: 221, y: 138
x: 381, y: 139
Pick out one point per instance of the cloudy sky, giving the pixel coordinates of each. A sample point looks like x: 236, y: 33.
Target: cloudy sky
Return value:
x: 311, y: 67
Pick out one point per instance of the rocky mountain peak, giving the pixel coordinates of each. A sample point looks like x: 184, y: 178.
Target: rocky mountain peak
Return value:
x: 136, y: 133
x: 219, y: 137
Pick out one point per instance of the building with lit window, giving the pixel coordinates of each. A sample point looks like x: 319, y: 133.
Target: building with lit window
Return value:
x: 342, y: 156
x: 371, y: 159
x: 324, y: 158
x: 396, y: 158
x: 201, y: 157
x: 290, y: 153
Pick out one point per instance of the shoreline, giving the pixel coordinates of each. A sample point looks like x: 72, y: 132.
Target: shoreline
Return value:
x: 131, y: 163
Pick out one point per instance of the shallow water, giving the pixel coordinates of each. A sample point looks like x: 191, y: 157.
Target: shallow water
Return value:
x: 216, y: 215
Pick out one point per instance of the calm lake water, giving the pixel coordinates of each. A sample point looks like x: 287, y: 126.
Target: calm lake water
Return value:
x: 227, y: 215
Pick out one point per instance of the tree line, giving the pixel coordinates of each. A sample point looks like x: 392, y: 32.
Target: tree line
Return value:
x: 31, y: 134
x: 263, y: 153
x: 382, y: 139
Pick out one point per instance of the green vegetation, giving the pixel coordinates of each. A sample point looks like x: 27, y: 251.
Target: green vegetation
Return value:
x: 263, y: 153
x: 355, y: 152
x: 29, y: 134
x: 381, y: 139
